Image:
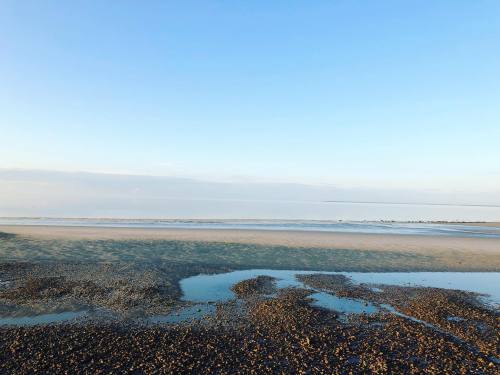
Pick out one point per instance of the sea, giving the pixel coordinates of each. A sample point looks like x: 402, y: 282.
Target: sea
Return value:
x: 368, y: 227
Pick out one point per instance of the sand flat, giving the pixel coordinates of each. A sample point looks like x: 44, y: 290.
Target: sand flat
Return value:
x: 356, y: 251
x: 310, y: 239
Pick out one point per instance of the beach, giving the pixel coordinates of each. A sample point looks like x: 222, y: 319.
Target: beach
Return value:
x: 261, y: 188
x: 319, y: 239
x: 111, y: 300
x: 442, y: 252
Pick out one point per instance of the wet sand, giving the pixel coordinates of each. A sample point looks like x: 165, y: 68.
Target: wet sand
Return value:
x: 441, y: 252
x: 310, y: 239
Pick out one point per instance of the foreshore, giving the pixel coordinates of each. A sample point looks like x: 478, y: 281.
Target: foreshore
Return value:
x: 117, y: 281
x: 310, y: 239
x: 352, y: 251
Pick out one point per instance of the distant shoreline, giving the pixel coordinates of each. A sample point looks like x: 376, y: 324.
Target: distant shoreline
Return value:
x: 250, y: 220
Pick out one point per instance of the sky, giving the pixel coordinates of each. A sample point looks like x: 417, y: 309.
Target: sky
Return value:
x: 382, y: 95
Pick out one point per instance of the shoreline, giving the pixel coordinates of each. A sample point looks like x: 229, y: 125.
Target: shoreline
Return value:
x: 205, y: 220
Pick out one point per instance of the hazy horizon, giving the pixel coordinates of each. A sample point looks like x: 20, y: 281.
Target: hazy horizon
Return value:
x: 82, y: 194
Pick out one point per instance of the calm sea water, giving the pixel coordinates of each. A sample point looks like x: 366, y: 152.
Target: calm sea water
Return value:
x: 264, y: 209
x: 461, y: 230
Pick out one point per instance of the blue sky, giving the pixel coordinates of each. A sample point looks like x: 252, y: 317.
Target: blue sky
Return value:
x: 362, y: 94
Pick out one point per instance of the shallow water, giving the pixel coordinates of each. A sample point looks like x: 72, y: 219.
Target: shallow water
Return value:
x: 487, y: 283
x: 373, y: 227
x: 342, y: 305
x: 60, y: 317
x: 217, y: 287
x: 205, y: 290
